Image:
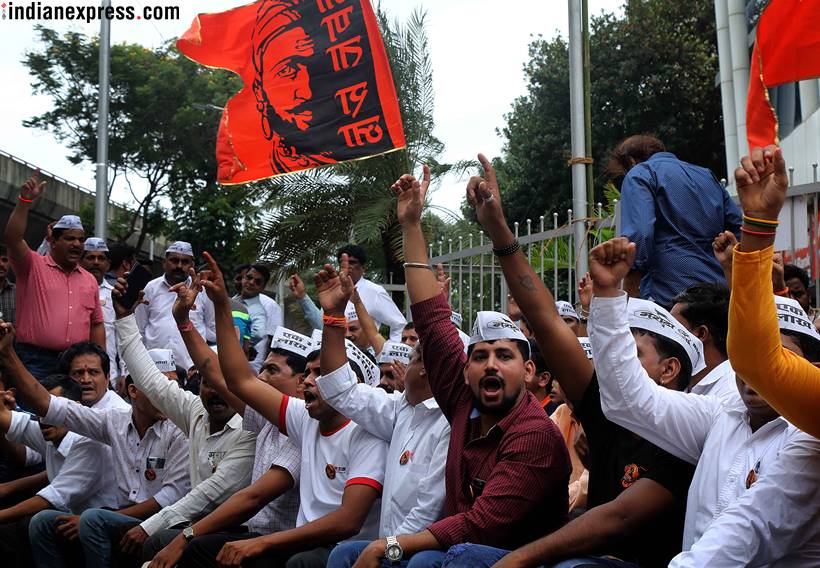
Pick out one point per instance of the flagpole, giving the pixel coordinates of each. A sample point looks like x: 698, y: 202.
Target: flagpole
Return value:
x: 101, y: 199
x: 576, y: 105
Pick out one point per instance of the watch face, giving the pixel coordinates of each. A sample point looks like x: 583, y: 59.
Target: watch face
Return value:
x: 393, y: 552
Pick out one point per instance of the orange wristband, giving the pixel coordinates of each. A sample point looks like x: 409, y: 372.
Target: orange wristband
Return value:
x: 332, y: 321
x: 784, y: 292
x: 24, y: 200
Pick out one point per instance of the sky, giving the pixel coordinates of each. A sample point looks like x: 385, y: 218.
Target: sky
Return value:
x: 478, y: 52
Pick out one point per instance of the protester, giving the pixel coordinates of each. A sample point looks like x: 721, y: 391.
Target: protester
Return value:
x: 8, y: 304
x: 271, y: 502
x: 569, y: 315
x: 154, y: 318
x: 344, y: 465
x: 266, y: 315
x: 123, y: 258
x: 220, y: 453
x: 729, y: 442
x: 72, y: 466
x: 138, y: 435
x: 410, y: 421
x: 636, y: 494
x: 97, y: 260
x: 393, y: 361
x: 409, y: 335
x: 378, y: 302
x: 312, y: 314
x: 61, y: 298
x: 797, y: 281
x: 671, y: 210
x: 239, y: 277
x: 540, y: 385
x: 507, y: 467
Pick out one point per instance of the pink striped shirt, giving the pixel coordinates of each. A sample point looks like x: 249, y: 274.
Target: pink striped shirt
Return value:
x: 55, y: 309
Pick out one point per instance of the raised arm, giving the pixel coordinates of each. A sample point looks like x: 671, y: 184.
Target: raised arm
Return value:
x: 374, y: 338
x: 789, y: 383
x: 204, y: 358
x: 559, y: 345
x: 335, y: 289
x: 239, y: 375
x: 410, y: 196
x: 313, y: 315
x: 29, y: 390
x: 18, y: 221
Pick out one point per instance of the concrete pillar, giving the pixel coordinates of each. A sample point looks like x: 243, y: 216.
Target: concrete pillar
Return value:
x: 739, y: 41
x: 727, y: 94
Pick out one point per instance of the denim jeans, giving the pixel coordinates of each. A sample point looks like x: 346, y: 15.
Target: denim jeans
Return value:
x: 38, y: 361
x: 49, y: 549
x: 346, y: 553
x: 480, y: 556
x: 100, y: 531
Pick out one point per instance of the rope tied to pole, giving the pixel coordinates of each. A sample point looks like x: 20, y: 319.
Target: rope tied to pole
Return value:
x: 580, y: 160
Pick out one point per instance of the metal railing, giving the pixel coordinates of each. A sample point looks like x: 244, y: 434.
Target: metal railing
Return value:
x: 477, y: 282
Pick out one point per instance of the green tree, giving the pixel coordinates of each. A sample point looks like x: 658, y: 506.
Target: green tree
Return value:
x: 308, y: 215
x: 161, y: 141
x: 652, y: 70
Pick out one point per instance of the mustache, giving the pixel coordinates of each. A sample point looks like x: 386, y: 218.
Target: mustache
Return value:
x: 216, y: 399
x: 491, y: 377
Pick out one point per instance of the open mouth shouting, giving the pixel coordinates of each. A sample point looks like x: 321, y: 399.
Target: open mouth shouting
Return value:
x: 311, y: 400
x: 491, y: 388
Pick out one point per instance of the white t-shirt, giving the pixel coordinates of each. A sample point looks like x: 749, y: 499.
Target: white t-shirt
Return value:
x: 330, y: 462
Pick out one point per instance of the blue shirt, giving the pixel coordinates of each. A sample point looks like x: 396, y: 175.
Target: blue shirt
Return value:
x: 672, y: 211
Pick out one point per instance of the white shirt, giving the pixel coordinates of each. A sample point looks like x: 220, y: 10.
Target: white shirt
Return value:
x: 419, y: 438
x: 266, y: 315
x: 76, y: 481
x: 702, y: 430
x: 273, y: 449
x: 776, y: 523
x: 719, y: 382
x: 110, y: 333
x: 330, y: 462
x: 158, y: 327
x: 380, y: 306
x: 155, y: 465
x: 219, y: 464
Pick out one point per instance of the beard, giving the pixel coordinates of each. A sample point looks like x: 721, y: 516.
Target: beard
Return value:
x: 501, y: 408
x: 294, y: 142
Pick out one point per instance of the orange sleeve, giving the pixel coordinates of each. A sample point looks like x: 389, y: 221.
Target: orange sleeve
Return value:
x: 788, y: 382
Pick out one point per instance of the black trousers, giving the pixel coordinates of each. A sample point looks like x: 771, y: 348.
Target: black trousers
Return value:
x: 14, y: 546
x: 203, y: 550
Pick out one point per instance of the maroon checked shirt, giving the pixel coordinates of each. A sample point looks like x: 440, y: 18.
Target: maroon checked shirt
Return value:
x: 504, y: 489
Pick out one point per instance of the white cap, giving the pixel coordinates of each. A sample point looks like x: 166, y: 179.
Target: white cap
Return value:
x: 291, y: 342
x: 465, y: 339
x: 565, y: 309
x: 792, y: 317
x: 351, y: 314
x: 584, y: 341
x: 180, y: 247
x: 163, y: 359
x: 649, y: 316
x: 393, y: 350
x: 69, y: 222
x: 456, y: 318
x: 370, y: 370
x: 490, y: 326
x: 95, y: 244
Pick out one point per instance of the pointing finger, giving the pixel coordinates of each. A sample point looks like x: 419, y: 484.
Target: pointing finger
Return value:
x: 489, y: 171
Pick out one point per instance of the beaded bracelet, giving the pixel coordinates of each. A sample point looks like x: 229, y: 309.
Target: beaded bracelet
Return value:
x: 507, y: 250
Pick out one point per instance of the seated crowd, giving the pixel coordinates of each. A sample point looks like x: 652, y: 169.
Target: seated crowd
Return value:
x: 175, y: 421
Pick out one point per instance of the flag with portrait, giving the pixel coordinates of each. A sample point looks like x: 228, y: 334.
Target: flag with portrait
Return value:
x: 317, y: 87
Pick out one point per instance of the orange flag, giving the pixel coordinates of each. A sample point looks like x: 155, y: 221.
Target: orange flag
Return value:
x: 787, y: 49
x: 317, y: 85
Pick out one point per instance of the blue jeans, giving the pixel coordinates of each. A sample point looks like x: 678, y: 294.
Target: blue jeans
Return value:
x: 100, y: 531
x: 48, y: 548
x: 346, y: 553
x: 38, y: 361
x: 480, y: 556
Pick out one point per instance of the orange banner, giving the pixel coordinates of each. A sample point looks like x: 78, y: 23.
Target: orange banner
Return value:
x: 317, y: 85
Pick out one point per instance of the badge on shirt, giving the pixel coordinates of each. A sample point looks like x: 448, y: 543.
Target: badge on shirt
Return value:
x: 631, y: 474
x: 150, y: 474
x: 214, y: 459
x: 405, y: 457
x: 330, y: 471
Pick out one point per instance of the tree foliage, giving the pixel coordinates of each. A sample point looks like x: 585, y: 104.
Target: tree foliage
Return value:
x: 161, y: 137
x: 652, y: 70
x: 308, y: 215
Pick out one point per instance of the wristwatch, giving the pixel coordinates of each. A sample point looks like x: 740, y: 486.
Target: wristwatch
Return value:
x: 188, y: 534
x: 393, y: 552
